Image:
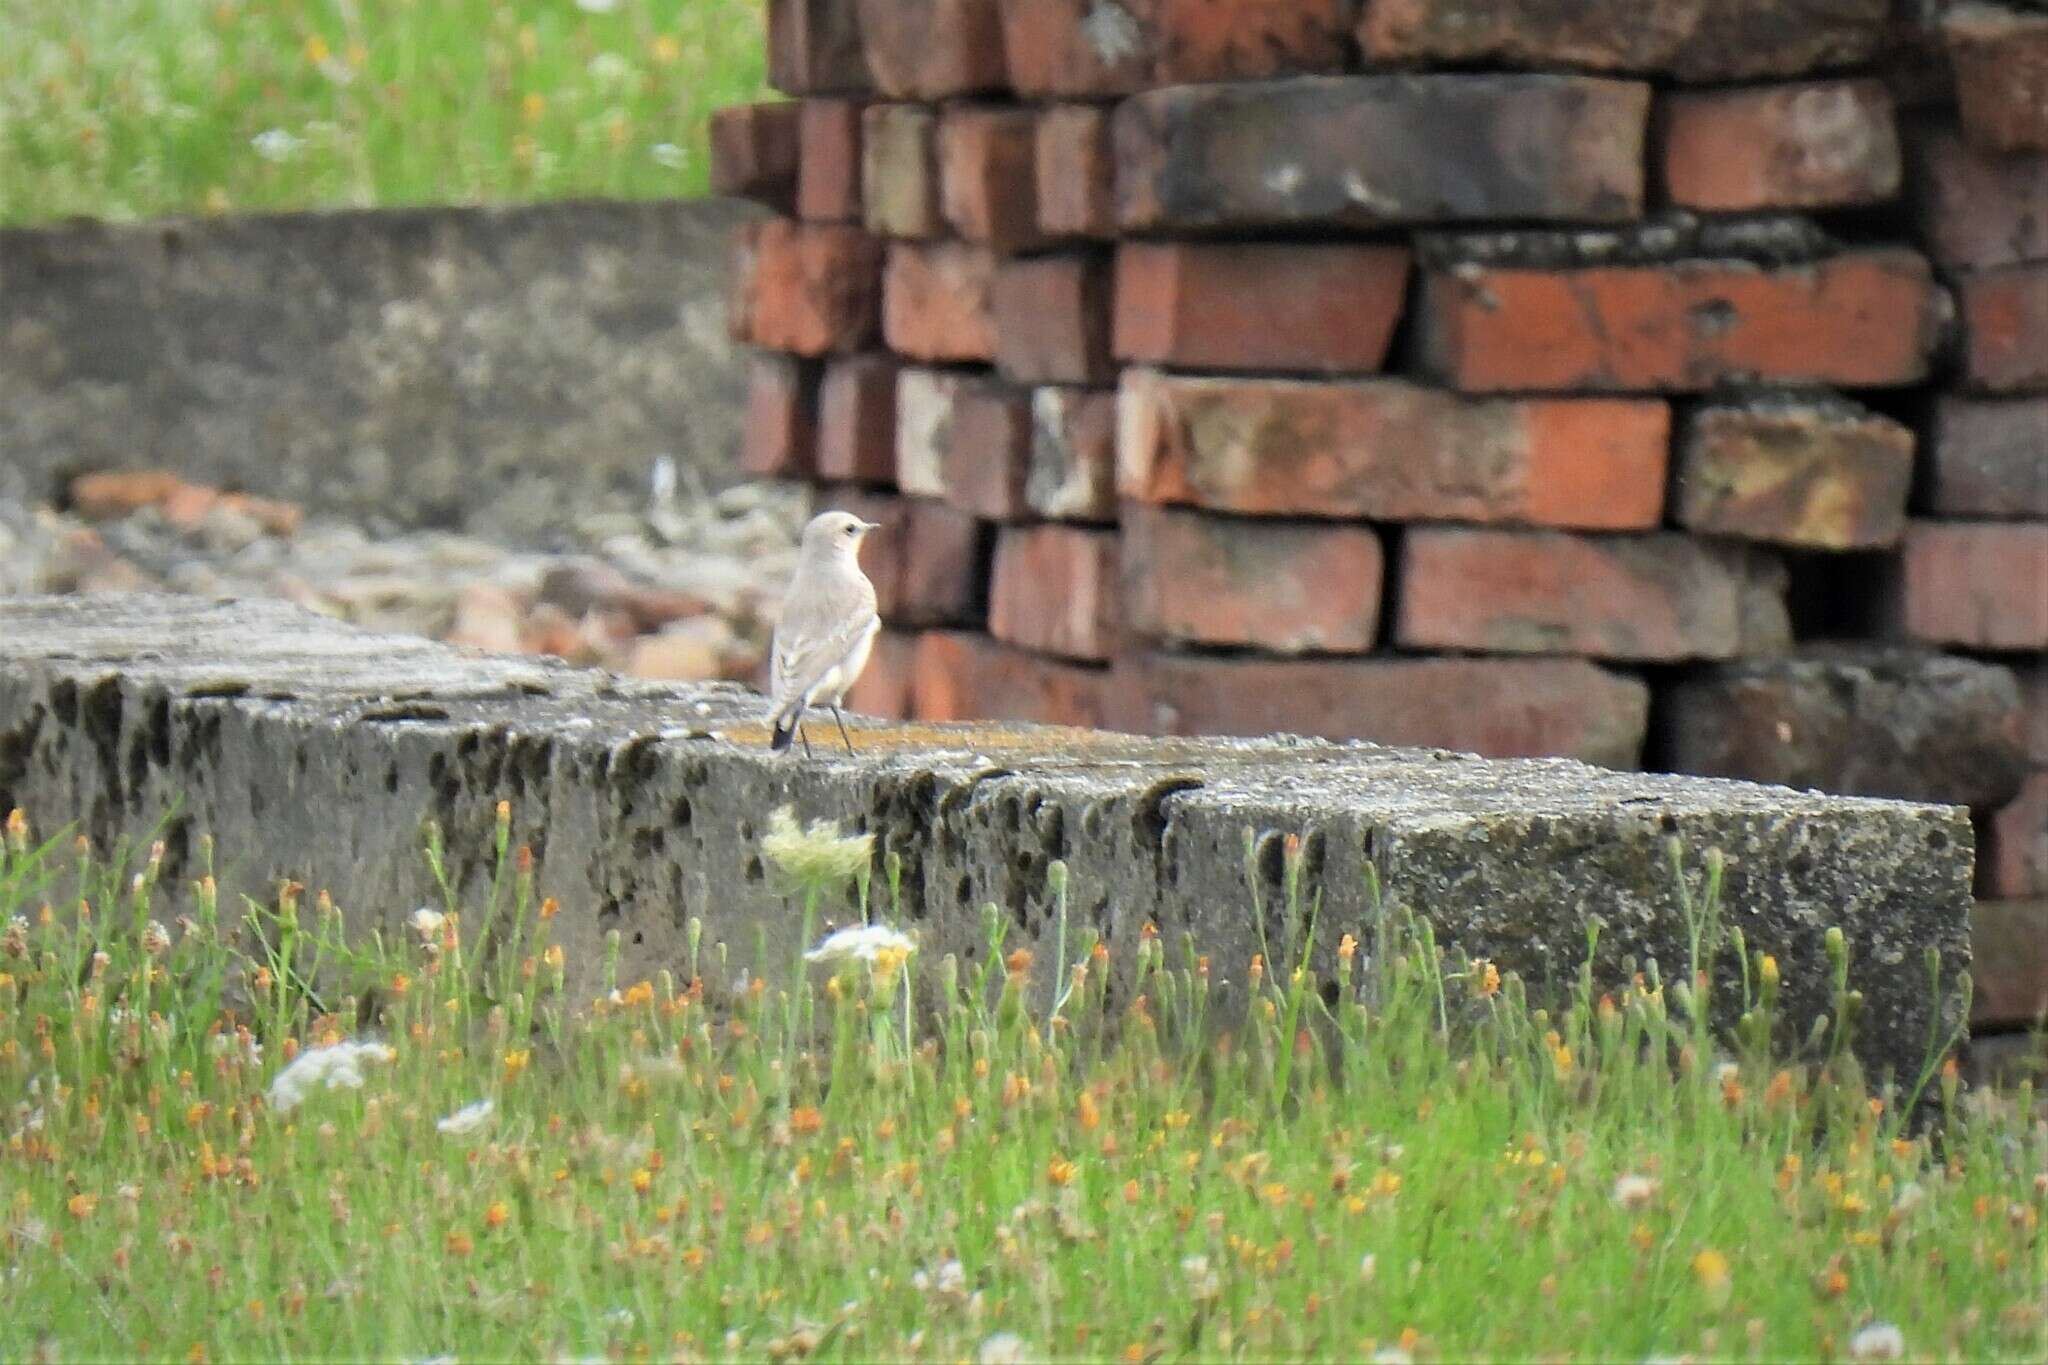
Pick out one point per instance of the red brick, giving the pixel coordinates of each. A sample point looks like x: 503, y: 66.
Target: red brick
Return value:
x: 1287, y: 587
x: 1989, y: 458
x: 1980, y: 208
x: 804, y: 287
x: 2000, y: 58
x: 857, y: 420
x: 1815, y: 144
x: 1052, y: 319
x: 1076, y: 174
x: 1700, y: 40
x: 829, y: 161
x: 2033, y: 678
x: 1814, y: 474
x: 988, y: 453
x: 754, y: 153
x: 1054, y: 590
x: 1073, y: 454
x: 2005, y: 328
x: 926, y: 560
x: 900, y: 171
x: 779, y: 440
x: 884, y: 686
x: 933, y: 49
x: 2012, y: 857
x: 988, y: 190
x: 1979, y: 584
x: 1270, y: 306
x: 814, y: 48
x: 1655, y: 597
x: 1390, y: 450
x: 1345, y: 150
x: 924, y: 428
x: 1503, y: 708
x: 2009, y: 964
x: 936, y: 301
x: 1862, y: 319
x: 971, y: 677
x: 1116, y: 47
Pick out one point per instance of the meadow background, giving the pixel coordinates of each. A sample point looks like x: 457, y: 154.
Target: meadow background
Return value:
x: 126, y: 109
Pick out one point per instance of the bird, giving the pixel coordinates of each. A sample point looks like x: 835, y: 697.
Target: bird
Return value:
x: 825, y: 631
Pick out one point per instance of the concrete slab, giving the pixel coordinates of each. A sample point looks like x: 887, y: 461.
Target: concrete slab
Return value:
x: 312, y: 750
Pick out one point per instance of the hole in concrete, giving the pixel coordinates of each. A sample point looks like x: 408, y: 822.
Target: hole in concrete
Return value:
x: 391, y: 778
x: 1938, y: 840
x: 754, y: 871
x: 1668, y: 823
x: 681, y: 813
x: 963, y: 891
x: 64, y: 702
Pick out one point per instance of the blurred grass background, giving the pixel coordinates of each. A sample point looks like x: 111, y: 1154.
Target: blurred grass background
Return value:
x: 127, y: 109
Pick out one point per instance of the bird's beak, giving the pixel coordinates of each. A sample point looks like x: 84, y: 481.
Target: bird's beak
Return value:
x: 870, y: 526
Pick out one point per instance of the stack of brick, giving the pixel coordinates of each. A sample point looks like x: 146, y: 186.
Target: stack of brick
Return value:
x: 1651, y: 383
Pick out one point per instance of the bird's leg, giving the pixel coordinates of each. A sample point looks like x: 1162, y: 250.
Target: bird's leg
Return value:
x: 842, y: 729
x: 804, y: 737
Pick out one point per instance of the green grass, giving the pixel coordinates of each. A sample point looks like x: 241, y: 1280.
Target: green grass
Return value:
x: 1428, y: 1168
x: 136, y: 108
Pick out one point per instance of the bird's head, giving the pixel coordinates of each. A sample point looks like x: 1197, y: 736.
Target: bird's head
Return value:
x: 836, y: 533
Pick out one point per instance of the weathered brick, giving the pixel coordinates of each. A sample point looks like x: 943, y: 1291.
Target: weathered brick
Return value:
x: 754, y: 153
x: 2005, y: 328
x: 884, y: 687
x: 1863, y: 720
x: 1287, y: 587
x: 779, y: 440
x: 964, y: 676
x: 1115, y: 47
x: 988, y: 453
x: 927, y: 560
x: 933, y: 49
x: 804, y: 287
x: 900, y: 170
x: 1797, y: 471
x: 936, y: 301
x: 988, y: 189
x: 2033, y: 676
x: 1052, y: 319
x: 2012, y: 858
x: 1390, y: 450
x: 924, y: 428
x: 1860, y: 319
x: 814, y: 48
x: 1815, y: 144
x: 1345, y: 150
x: 2008, y: 964
x: 2000, y: 58
x: 1076, y: 174
x: 1701, y: 40
x: 829, y: 161
x: 1655, y: 597
x: 1503, y: 708
x: 857, y: 420
x: 1073, y: 454
x: 1988, y: 457
x: 1978, y: 584
x: 1054, y: 590
x: 1979, y: 208
x: 1271, y: 306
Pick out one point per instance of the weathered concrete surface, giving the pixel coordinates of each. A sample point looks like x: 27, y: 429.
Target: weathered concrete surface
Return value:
x: 313, y: 751
x: 478, y: 368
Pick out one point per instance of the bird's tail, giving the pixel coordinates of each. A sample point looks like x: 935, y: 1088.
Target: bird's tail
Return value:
x: 784, y: 730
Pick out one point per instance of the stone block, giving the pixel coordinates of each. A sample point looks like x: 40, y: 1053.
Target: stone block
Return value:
x: 932, y: 49
x: 2012, y: 855
x: 1117, y: 47
x: 924, y: 428
x: 2005, y: 328
x: 988, y: 453
x: 1389, y: 450
x: 754, y: 153
x: 828, y: 177
x: 814, y: 48
x: 1052, y: 319
x: 1979, y: 208
x: 900, y: 171
x: 1190, y: 578
x: 810, y: 288
x: 2000, y: 57
x: 1054, y: 590
x: 988, y: 188
x: 927, y: 559
x: 1072, y: 476
x: 1975, y: 584
x: 1076, y: 174
x: 2009, y: 967
x: 937, y: 301
x: 1988, y: 457
x: 857, y: 420
x: 780, y: 437
x: 971, y: 677
x: 1317, y: 307
x: 1343, y: 151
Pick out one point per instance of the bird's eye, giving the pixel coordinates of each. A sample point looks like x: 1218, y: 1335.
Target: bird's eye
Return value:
x: 851, y: 529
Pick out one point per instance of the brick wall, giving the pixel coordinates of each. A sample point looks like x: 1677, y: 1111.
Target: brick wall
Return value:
x: 1659, y: 383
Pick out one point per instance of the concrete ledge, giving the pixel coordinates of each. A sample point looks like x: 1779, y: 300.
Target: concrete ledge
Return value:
x: 311, y: 750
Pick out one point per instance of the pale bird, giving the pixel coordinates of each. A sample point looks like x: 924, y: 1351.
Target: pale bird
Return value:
x: 826, y: 629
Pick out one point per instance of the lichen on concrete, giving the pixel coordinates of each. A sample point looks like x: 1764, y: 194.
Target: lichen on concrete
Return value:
x: 313, y: 751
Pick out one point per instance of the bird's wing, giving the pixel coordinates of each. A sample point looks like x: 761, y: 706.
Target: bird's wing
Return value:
x: 802, y: 658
